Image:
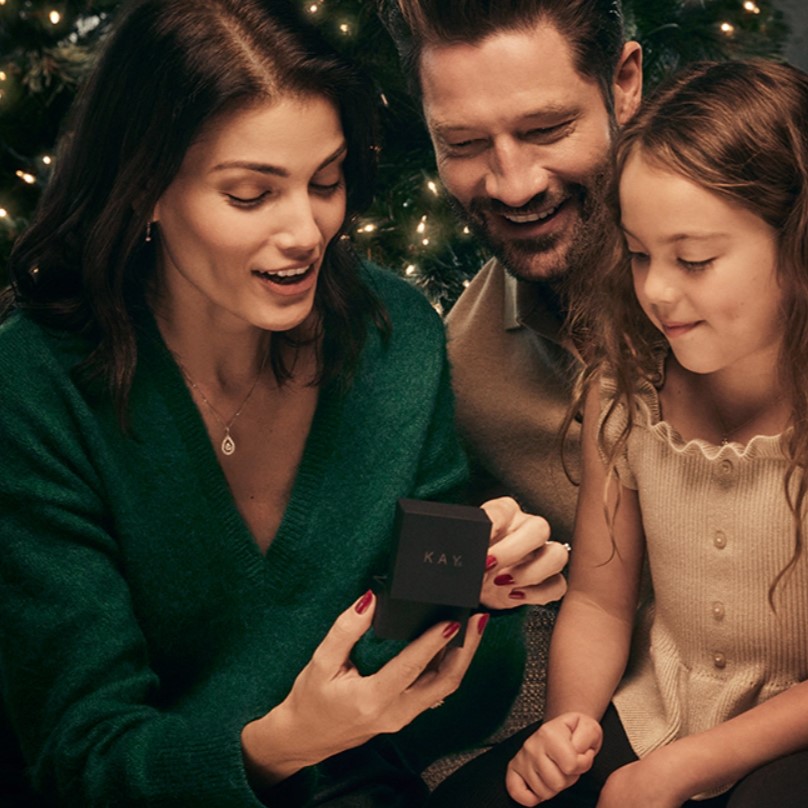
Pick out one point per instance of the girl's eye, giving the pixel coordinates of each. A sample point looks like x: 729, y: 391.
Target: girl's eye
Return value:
x: 696, y: 266
x: 637, y: 257
x: 247, y: 202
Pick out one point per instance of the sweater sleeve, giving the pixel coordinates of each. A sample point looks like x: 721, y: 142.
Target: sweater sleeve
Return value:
x: 76, y: 681
x: 443, y: 468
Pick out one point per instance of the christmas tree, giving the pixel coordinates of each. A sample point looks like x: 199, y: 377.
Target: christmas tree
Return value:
x: 47, y: 47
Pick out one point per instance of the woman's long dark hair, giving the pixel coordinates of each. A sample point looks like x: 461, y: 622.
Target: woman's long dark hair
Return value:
x: 169, y: 68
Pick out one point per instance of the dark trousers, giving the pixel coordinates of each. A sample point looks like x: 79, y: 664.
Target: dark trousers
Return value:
x: 481, y: 782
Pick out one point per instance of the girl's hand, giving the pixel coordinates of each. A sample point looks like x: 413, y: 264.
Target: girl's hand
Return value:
x: 553, y: 758
x: 646, y: 783
x: 331, y: 707
x: 524, y: 566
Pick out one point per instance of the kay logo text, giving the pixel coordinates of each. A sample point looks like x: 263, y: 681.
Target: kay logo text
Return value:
x: 442, y: 559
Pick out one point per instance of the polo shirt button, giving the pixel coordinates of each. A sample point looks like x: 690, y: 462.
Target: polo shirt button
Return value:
x: 719, y: 660
x: 720, y: 539
x: 718, y: 610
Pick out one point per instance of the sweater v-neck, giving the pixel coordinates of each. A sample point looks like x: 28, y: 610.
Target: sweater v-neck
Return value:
x: 310, y: 478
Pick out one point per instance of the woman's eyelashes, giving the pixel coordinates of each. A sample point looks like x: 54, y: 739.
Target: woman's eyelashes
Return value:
x: 255, y: 199
x: 247, y: 201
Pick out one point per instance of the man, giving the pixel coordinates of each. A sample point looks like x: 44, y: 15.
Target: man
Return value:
x: 521, y: 98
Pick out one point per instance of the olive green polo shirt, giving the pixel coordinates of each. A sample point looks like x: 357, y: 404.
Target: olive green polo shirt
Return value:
x: 513, y: 378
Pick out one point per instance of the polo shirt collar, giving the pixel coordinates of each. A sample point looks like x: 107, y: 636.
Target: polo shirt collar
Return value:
x: 525, y: 307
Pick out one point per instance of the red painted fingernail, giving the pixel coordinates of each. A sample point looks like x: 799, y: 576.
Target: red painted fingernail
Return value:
x: 363, y: 602
x: 483, y: 622
x: 503, y: 580
x: 491, y: 561
x: 517, y: 594
x: 451, y: 630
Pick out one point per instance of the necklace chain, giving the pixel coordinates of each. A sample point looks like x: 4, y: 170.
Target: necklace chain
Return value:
x: 228, y: 445
x: 727, y: 433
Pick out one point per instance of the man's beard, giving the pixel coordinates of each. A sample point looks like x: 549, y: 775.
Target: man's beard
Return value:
x: 548, y: 259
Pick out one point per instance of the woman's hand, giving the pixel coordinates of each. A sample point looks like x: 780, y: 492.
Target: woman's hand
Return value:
x: 331, y: 707
x: 524, y: 566
x: 553, y: 758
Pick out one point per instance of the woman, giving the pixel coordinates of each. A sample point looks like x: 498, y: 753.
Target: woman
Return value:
x: 209, y: 410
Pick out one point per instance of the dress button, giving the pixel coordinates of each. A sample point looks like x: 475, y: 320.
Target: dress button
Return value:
x: 718, y: 610
x: 720, y: 539
x: 719, y: 660
x: 726, y: 467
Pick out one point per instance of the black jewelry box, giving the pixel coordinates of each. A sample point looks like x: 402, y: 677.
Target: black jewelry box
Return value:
x: 436, y: 571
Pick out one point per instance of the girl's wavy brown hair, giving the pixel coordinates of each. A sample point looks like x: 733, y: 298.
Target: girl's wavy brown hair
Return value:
x: 740, y: 130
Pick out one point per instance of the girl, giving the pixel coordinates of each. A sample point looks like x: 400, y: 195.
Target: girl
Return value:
x: 679, y: 661
x: 209, y: 409
x: 701, y: 441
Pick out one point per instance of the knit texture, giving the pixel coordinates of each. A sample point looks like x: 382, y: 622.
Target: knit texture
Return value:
x: 707, y: 645
x: 514, y: 383
x: 141, y: 626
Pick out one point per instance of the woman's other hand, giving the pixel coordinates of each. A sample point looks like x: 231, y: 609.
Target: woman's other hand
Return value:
x: 524, y: 566
x: 332, y: 707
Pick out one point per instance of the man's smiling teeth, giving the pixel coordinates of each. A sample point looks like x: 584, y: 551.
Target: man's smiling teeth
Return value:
x: 528, y: 218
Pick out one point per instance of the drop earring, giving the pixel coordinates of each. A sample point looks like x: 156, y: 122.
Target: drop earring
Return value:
x: 148, y: 232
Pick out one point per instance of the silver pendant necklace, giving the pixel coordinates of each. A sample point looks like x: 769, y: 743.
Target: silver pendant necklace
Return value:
x: 228, y: 445
x: 727, y: 432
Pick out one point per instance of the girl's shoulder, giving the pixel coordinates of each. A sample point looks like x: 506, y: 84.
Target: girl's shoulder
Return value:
x: 641, y: 392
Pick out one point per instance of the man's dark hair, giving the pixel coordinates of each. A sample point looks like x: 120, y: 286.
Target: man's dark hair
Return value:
x: 594, y: 29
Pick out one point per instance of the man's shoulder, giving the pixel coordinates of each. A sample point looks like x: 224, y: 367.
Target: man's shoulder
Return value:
x: 483, y: 298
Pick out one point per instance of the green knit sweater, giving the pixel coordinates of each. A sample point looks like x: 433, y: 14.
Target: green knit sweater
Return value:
x: 141, y: 627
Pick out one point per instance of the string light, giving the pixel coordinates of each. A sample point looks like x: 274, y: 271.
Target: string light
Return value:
x: 345, y: 28
x: 47, y: 159
x: 751, y: 7
x: 367, y: 228
x: 410, y: 270
x: 3, y: 75
x: 314, y: 8
x: 55, y: 17
x: 727, y: 28
x: 26, y: 177
x: 433, y: 186
x: 3, y: 213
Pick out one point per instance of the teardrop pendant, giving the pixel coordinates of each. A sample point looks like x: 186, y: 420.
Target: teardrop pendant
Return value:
x: 228, y: 444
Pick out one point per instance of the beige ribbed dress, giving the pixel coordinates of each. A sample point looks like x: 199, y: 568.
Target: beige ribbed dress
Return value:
x: 707, y: 645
